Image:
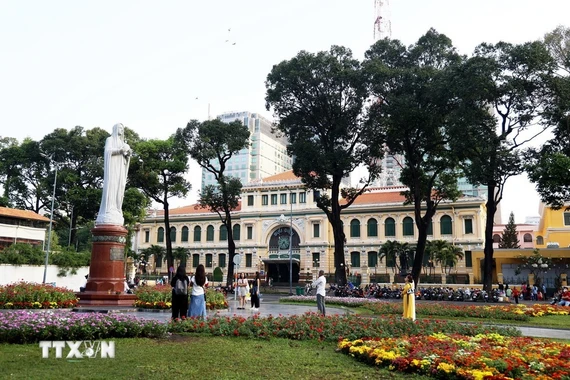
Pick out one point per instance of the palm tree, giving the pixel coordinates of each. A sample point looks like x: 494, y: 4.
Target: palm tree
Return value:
x: 181, y: 254
x: 446, y: 254
x: 157, y: 251
x: 389, y: 251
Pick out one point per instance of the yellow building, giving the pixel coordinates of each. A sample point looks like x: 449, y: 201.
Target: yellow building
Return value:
x: 553, y: 241
x: 554, y: 228
x: 278, y: 210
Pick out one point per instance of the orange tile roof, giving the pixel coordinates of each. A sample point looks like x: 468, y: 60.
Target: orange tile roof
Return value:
x: 285, y: 176
x: 22, y: 214
x: 379, y: 197
x: 190, y: 209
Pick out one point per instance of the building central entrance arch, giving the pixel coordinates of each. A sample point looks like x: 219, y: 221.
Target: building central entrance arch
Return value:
x: 277, y: 263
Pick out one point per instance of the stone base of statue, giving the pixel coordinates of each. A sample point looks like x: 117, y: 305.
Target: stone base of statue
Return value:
x: 106, y: 282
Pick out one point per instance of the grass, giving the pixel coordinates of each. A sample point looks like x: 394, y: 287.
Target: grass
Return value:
x: 189, y: 357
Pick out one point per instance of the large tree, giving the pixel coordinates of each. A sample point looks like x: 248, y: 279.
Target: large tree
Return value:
x: 319, y: 101
x: 513, y: 81
x: 78, y: 155
x: 549, y: 166
x: 212, y: 144
x: 420, y: 110
x: 157, y: 169
x: 26, y: 174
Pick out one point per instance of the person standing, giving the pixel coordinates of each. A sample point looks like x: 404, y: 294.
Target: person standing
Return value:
x: 197, y: 300
x: 516, y: 294
x: 320, y: 283
x: 242, y: 287
x: 409, y: 298
x: 179, y: 285
x: 255, y: 292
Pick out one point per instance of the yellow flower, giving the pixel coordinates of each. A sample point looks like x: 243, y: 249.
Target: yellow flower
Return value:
x: 479, y: 374
x: 446, y: 367
x: 440, y: 336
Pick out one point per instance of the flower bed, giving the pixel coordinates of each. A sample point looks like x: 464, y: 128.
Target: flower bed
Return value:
x: 332, y: 328
x: 518, y: 312
x: 455, y: 356
x: 27, y: 295
x: 160, y: 297
x: 28, y: 327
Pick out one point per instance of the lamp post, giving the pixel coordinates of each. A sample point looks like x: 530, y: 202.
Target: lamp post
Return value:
x: 50, y: 221
x: 291, y: 248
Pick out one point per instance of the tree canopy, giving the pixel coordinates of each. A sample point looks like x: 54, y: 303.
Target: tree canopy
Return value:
x: 212, y: 144
x: 420, y: 110
x: 319, y: 102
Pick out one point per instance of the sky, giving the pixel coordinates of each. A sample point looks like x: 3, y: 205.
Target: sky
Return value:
x: 155, y: 65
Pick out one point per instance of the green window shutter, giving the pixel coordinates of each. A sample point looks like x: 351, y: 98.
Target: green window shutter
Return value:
x: 372, y: 228
x: 390, y: 227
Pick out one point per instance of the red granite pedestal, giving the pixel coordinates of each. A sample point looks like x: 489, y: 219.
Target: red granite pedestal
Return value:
x: 106, y: 283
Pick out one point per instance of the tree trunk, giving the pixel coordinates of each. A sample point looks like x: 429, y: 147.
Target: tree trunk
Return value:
x: 169, y: 258
x: 339, y: 263
x: 231, y: 249
x: 488, y: 250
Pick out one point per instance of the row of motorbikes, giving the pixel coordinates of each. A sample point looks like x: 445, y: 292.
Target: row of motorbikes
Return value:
x: 424, y: 293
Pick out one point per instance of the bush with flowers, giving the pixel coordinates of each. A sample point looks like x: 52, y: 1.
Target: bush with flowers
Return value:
x: 27, y: 295
x: 160, y: 297
x: 331, y: 328
x: 26, y: 326
x: 456, y: 356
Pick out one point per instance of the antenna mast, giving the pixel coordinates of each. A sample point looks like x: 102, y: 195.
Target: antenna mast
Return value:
x: 382, y: 23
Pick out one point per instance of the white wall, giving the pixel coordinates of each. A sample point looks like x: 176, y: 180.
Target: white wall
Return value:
x: 31, y: 273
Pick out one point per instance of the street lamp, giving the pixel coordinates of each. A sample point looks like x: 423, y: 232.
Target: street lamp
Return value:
x: 290, y: 244
x: 50, y: 218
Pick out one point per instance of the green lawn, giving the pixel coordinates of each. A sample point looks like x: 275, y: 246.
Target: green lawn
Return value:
x: 195, y: 357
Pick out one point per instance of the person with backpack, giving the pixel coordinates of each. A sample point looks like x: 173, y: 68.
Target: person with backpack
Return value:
x: 179, y: 285
x: 198, y: 300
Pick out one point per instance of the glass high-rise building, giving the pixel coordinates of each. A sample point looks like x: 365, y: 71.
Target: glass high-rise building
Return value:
x: 265, y: 156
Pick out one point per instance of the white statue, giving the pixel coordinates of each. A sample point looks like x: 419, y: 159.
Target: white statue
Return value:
x: 117, y: 157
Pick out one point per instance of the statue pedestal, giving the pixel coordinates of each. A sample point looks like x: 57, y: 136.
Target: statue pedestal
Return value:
x: 106, y: 283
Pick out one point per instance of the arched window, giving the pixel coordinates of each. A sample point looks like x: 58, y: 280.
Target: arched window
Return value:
x: 172, y: 234
x: 496, y: 238
x: 372, y: 259
x: 197, y: 233
x: 390, y: 227
x: 355, y: 259
x: 223, y: 232
x: 236, y: 229
x: 445, y: 227
x: 209, y: 260
x: 408, y: 226
x: 539, y: 240
x: 210, y: 233
x: 527, y: 238
x: 160, y: 236
x: 222, y: 258
x: 354, y: 228
x: 184, y: 237
x: 372, y: 227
